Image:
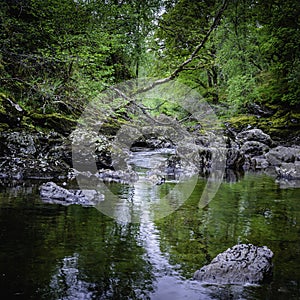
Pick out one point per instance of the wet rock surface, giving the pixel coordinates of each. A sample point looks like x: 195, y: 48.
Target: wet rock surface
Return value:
x: 40, y: 155
x: 55, y: 194
x: 259, y: 152
x: 254, y: 135
x: 241, y: 264
x: 25, y: 155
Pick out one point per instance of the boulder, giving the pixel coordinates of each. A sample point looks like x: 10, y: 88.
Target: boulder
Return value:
x: 10, y: 111
x: 235, y: 159
x: 90, y: 150
x: 254, y: 135
x: 282, y: 154
x: 50, y: 192
x: 241, y: 264
x: 259, y: 162
x: 290, y: 171
x: 34, y: 155
x: 119, y: 176
x: 254, y: 148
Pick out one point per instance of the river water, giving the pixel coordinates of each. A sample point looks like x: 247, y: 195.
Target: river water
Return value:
x: 50, y: 251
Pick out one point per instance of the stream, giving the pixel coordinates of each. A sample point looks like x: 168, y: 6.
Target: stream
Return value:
x: 50, y: 251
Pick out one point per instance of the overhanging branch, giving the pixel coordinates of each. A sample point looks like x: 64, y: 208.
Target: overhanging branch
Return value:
x: 181, y: 67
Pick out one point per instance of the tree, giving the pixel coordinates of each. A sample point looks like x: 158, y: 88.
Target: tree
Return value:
x: 55, y: 52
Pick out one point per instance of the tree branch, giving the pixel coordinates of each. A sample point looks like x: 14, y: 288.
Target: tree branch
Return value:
x: 180, y: 68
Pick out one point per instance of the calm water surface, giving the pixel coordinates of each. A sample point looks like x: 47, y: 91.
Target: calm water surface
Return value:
x: 52, y: 251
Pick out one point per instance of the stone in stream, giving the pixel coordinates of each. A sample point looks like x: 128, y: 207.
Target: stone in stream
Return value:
x: 241, y: 264
x: 254, y: 135
x: 50, y: 192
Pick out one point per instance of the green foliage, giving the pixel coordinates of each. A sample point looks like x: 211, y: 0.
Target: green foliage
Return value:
x: 56, y: 56
x: 252, y: 57
x: 241, y: 90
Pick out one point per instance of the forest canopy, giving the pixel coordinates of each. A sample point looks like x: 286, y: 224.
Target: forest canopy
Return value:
x: 56, y: 55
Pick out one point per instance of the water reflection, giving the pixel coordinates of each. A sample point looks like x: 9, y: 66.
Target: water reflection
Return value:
x: 144, y: 199
x: 56, y: 252
x: 66, y: 282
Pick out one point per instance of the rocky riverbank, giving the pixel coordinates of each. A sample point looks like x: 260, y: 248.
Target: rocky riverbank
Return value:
x: 36, y: 146
x: 40, y: 155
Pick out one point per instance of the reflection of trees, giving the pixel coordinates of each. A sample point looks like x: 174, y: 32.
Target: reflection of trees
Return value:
x: 109, y: 260
x: 66, y: 282
x: 59, y: 251
x: 244, y: 212
x: 79, y: 250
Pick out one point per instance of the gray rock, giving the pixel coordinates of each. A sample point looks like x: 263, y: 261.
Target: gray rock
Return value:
x: 119, y: 176
x: 290, y: 171
x: 281, y: 154
x: 34, y: 155
x: 50, y: 192
x: 254, y: 148
x: 254, y: 135
x: 241, y: 264
x: 259, y: 162
x: 235, y: 159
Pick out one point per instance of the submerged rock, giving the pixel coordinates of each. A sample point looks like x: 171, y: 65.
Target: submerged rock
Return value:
x: 241, y: 264
x: 50, y: 192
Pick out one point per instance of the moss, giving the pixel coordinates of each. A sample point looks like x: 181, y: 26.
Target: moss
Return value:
x: 282, y: 125
x: 241, y: 122
x: 2, y: 108
x: 3, y: 126
x: 57, y: 122
x: 112, y: 125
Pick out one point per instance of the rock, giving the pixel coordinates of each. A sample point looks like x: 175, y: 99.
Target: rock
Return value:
x: 259, y: 110
x: 52, y: 193
x: 289, y: 171
x: 241, y: 264
x: 282, y: 154
x: 10, y: 111
x: 287, y: 184
x: 25, y: 155
x: 254, y: 148
x: 54, y: 121
x: 120, y: 176
x: 254, y: 135
x: 259, y: 162
x: 235, y: 159
x: 90, y: 150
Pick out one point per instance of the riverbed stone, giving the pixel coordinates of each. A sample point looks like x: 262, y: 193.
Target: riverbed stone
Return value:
x: 280, y: 154
x: 289, y: 171
x: 241, y: 264
x: 254, y: 135
x: 25, y: 155
x: 259, y: 162
x: 254, y: 148
x: 50, y: 192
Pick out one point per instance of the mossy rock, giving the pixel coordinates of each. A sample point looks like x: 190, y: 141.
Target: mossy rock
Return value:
x: 3, y: 126
x: 241, y: 122
x: 56, y: 122
x: 282, y: 125
x: 111, y: 126
x: 11, y: 113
